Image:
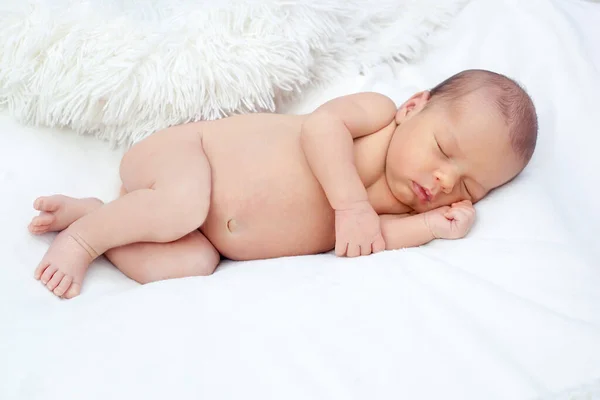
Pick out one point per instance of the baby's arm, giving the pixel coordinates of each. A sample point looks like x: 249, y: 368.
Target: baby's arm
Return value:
x: 448, y: 222
x: 401, y: 231
x: 327, y: 140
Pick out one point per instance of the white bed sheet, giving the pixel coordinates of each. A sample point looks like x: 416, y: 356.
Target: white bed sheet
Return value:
x: 511, y: 312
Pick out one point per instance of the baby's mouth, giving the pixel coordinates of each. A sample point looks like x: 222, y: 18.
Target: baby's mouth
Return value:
x: 423, y: 194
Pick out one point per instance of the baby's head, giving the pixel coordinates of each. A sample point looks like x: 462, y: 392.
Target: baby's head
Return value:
x: 470, y: 134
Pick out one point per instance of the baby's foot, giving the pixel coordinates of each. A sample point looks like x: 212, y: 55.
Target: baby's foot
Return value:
x: 64, y: 265
x: 58, y: 212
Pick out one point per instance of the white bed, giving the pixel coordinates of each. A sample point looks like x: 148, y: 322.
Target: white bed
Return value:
x: 510, y: 312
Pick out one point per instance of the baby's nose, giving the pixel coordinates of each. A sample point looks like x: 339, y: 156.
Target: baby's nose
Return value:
x: 449, y: 182
x: 447, y: 189
x: 444, y: 182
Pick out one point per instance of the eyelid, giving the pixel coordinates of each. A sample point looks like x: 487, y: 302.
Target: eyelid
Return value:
x: 467, y: 190
x: 440, y: 148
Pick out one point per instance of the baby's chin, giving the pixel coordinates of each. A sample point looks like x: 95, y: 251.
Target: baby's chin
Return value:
x: 417, y: 207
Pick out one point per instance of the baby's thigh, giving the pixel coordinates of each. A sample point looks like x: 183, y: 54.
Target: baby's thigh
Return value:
x: 164, y: 156
x: 192, y: 255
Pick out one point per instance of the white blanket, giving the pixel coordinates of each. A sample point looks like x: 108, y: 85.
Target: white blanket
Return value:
x: 510, y: 312
x: 122, y: 69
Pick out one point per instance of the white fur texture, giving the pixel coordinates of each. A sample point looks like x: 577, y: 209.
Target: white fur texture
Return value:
x: 122, y: 69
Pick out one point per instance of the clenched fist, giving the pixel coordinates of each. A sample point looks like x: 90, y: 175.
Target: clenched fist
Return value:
x: 357, y: 230
x: 451, y: 222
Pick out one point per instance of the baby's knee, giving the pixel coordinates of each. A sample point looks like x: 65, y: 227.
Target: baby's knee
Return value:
x: 205, y: 261
x: 137, y: 167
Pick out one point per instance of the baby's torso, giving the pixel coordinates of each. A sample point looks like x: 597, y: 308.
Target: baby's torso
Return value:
x: 265, y: 199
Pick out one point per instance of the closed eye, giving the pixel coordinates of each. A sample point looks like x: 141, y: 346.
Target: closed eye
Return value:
x: 467, y: 190
x: 440, y: 148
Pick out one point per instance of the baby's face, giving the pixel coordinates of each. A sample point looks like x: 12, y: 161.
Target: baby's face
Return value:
x: 439, y: 156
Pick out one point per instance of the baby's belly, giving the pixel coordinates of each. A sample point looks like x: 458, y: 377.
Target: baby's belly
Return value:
x: 265, y: 201
x: 256, y: 225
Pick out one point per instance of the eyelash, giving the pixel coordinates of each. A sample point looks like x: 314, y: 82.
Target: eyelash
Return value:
x: 445, y: 155
x: 467, y: 190
x: 440, y: 148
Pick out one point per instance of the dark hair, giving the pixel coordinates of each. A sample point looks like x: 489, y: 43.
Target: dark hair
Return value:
x: 508, y: 97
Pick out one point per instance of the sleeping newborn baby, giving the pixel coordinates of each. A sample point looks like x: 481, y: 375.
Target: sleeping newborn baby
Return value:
x: 358, y: 175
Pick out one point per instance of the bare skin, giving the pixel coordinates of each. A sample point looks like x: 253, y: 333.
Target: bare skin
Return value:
x: 266, y: 185
x: 56, y: 214
x: 142, y: 262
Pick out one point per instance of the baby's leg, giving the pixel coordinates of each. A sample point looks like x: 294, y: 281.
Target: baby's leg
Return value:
x: 167, y: 177
x: 192, y: 255
x: 145, y: 262
x: 57, y: 212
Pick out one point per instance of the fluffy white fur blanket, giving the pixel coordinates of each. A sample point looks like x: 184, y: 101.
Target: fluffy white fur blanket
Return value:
x: 121, y: 69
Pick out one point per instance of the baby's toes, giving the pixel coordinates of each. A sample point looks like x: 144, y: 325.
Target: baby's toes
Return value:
x: 48, y: 273
x: 73, y: 291
x: 38, y: 203
x: 41, y: 223
x: 45, y: 203
x: 40, y: 269
x: 55, y: 280
x: 63, y: 286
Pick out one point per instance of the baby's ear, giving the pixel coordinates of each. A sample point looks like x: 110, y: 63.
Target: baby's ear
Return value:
x: 412, y: 106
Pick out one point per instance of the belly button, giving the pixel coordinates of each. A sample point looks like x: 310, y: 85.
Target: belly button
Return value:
x: 231, y: 225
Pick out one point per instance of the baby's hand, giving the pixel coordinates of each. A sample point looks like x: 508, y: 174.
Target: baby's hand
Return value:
x: 451, y: 222
x: 357, y: 230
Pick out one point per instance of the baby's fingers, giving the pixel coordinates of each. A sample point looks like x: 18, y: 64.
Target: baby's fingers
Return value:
x: 341, y: 247
x: 378, y: 245
x: 365, y: 249
x: 465, y: 204
x: 353, y: 250
x: 461, y: 222
x: 457, y: 213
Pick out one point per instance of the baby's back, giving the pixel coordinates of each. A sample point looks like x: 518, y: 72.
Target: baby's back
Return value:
x: 265, y: 200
